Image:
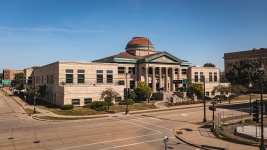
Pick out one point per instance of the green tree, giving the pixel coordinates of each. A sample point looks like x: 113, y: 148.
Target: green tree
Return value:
x: 19, y: 77
x: 38, y: 91
x: 108, y: 95
x: 209, y: 65
x: 245, y: 72
x: 132, y: 95
x: 195, y: 89
x: 142, y: 90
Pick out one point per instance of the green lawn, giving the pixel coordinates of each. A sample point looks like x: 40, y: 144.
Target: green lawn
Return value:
x: 79, y: 111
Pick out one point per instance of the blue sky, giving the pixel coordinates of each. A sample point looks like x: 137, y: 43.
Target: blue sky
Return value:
x: 39, y: 32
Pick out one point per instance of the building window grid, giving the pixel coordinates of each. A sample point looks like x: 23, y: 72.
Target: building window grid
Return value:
x: 132, y: 69
x: 80, y: 71
x: 210, y: 76
x: 176, y: 71
x: 87, y: 101
x: 69, y: 78
x: 184, y: 71
x: 75, y: 101
x: 80, y: 78
x: 121, y: 70
x: 215, y: 76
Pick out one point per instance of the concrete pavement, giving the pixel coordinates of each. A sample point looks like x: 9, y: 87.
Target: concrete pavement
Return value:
x: 198, y: 136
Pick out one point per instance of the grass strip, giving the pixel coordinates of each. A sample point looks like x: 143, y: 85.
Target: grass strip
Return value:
x: 68, y: 118
x: 30, y: 111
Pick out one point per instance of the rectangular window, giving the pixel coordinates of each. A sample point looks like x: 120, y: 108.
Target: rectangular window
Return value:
x: 210, y: 76
x: 87, y: 100
x: 212, y: 93
x: 69, y: 78
x: 131, y: 70
x: 121, y: 82
x: 99, y: 71
x: 75, y: 101
x: 207, y: 93
x: 80, y: 78
x: 215, y: 76
x: 109, y: 71
x: 196, y: 76
x: 120, y: 70
x: 29, y: 80
x: 99, y: 78
x: 80, y: 71
x: 184, y: 71
x: 201, y: 77
x: 176, y: 71
x: 109, y: 78
x: 221, y: 92
x: 69, y: 70
x: 52, y: 79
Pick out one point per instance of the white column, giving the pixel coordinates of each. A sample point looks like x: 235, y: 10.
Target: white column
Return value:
x: 172, y: 78
x: 153, y: 80
x: 147, y: 81
x: 160, y: 78
x: 166, y: 79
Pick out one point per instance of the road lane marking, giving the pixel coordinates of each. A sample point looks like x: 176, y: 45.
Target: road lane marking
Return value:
x: 139, y: 125
x: 108, y: 141
x: 133, y: 144
x: 151, y: 124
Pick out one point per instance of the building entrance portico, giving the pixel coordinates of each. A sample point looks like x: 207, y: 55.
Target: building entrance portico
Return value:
x: 159, y: 76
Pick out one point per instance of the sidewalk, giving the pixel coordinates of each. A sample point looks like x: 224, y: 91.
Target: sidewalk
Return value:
x: 198, y: 136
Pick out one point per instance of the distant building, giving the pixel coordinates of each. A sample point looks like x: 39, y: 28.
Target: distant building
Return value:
x: 231, y: 58
x: 10, y: 75
x: 79, y: 83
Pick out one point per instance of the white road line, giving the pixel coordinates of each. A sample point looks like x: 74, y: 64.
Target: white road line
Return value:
x: 107, y: 141
x: 134, y: 144
x: 151, y: 124
x: 140, y: 125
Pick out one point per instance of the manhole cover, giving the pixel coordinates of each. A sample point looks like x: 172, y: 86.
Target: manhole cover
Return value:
x: 179, y: 132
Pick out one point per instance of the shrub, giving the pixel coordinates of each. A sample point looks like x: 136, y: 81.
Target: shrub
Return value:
x: 67, y: 107
x: 87, y: 105
x: 97, y: 105
x: 130, y: 102
x: 233, y: 96
x: 153, y: 98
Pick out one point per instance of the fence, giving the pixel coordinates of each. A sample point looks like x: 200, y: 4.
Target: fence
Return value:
x: 220, y: 117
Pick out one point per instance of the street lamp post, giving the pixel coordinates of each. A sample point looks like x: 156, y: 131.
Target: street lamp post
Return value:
x: 204, y: 119
x: 261, y: 68
x: 127, y: 110
x: 250, y: 85
x: 34, y: 97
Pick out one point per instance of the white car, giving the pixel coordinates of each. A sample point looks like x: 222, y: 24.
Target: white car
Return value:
x: 23, y: 90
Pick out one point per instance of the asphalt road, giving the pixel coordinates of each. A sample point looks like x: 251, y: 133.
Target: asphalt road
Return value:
x: 126, y: 132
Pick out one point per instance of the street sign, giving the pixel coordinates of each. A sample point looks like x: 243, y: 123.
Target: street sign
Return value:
x: 185, y: 81
x: 177, y: 81
x: 5, y: 81
x: 213, y: 101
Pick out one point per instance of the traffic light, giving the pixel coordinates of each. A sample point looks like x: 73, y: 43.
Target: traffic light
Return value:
x: 255, y: 111
x: 129, y: 93
x: 125, y: 90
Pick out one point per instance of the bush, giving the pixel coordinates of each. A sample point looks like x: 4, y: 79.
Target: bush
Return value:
x: 97, y: 105
x: 67, y: 107
x: 87, y: 105
x: 220, y: 96
x: 153, y: 98
x: 130, y: 102
x: 233, y: 96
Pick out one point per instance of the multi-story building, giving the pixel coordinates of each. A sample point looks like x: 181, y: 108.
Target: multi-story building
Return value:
x: 10, y: 75
x: 231, y: 58
x: 79, y: 83
x: 211, y: 75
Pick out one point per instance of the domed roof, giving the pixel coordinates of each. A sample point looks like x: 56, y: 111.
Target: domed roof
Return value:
x: 139, y: 43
